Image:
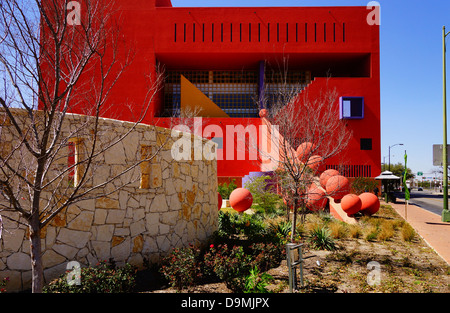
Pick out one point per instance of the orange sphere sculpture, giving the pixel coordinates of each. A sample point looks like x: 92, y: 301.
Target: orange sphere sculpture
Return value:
x: 326, y: 175
x: 369, y: 203
x: 219, y: 201
x: 337, y: 187
x: 241, y: 199
x: 316, y: 198
x: 304, y: 150
x: 351, y: 204
x: 314, y: 162
x: 262, y: 113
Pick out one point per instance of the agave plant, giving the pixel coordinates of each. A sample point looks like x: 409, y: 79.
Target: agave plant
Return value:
x: 283, y: 228
x: 320, y: 238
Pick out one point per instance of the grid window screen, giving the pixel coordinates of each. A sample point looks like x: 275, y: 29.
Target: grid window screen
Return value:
x: 352, y: 170
x: 235, y: 92
x: 281, y: 86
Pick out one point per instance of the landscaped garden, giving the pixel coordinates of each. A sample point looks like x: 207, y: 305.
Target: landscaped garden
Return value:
x: 247, y: 254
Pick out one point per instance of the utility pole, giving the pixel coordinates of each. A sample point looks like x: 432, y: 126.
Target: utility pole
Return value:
x: 445, y: 211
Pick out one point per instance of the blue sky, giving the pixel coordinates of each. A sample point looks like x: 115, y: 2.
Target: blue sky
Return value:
x: 411, y: 71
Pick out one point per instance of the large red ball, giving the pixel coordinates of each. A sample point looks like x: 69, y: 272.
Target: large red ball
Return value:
x: 241, y: 199
x: 316, y: 198
x: 314, y: 162
x: 351, y: 204
x: 326, y: 175
x: 370, y: 203
x: 304, y: 150
x: 337, y: 187
x: 219, y: 201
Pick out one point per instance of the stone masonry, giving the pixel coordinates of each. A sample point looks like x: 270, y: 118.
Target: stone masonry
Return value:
x: 165, y: 204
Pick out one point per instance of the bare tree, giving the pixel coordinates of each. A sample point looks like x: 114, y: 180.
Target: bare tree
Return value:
x: 307, y: 132
x: 54, y: 59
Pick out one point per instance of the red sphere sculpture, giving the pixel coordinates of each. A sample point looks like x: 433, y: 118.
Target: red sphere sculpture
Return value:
x: 241, y: 199
x: 337, y: 187
x: 304, y: 150
x: 219, y: 201
x: 316, y: 198
x: 351, y: 204
x: 326, y: 175
x: 262, y: 113
x: 369, y: 203
x: 314, y: 162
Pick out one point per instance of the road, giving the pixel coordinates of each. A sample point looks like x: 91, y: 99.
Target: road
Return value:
x: 427, y: 200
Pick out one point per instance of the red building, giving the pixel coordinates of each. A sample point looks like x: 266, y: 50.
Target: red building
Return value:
x: 222, y: 56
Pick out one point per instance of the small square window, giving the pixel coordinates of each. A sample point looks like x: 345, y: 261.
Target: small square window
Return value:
x: 351, y: 107
x: 366, y: 143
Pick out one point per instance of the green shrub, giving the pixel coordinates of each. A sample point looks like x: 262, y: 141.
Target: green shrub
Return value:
x: 3, y: 284
x: 363, y: 184
x: 181, y: 267
x: 233, y: 265
x: 227, y: 224
x: 251, y: 226
x: 226, y: 189
x: 266, y: 255
x: 257, y: 282
x: 320, y: 238
x: 103, y: 278
x: 282, y: 228
x: 264, y: 195
x: 229, y: 265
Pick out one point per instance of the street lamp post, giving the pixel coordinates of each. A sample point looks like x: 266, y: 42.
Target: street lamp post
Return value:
x: 397, y: 144
x: 445, y: 211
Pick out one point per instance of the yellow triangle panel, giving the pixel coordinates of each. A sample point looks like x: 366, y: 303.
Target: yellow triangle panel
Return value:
x: 192, y: 97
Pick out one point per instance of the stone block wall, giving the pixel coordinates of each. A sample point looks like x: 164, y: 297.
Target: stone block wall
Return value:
x: 164, y: 204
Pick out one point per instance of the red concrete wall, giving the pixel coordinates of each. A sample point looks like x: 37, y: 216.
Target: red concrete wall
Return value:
x: 246, y: 31
x: 334, y: 40
x: 368, y: 127
x: 235, y: 159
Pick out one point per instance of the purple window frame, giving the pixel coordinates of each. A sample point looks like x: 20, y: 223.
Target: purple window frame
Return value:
x: 341, y: 108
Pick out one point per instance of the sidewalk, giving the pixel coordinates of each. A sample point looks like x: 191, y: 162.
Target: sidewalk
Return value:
x: 428, y: 225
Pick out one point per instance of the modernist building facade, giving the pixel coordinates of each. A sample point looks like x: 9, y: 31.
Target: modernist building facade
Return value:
x: 226, y: 59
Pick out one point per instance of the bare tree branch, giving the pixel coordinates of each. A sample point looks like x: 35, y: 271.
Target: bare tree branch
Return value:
x: 47, y: 63
x: 301, y: 119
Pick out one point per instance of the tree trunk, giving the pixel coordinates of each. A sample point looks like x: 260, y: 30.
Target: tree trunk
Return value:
x: 294, y: 220
x: 36, y: 257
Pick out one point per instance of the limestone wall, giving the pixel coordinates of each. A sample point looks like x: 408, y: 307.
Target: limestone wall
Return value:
x: 167, y: 204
